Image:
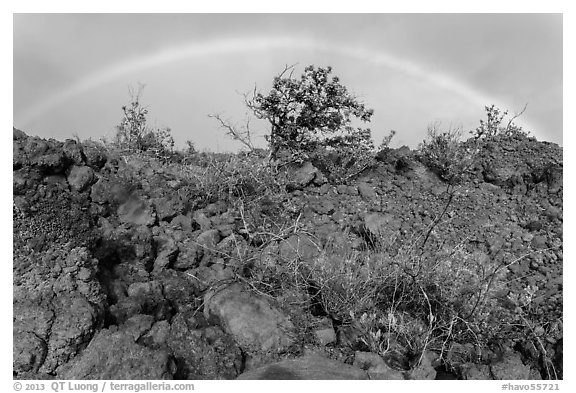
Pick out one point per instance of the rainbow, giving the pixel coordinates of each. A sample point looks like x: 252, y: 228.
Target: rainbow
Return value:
x: 230, y: 46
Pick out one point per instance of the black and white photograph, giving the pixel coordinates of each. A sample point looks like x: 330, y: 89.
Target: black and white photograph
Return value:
x: 287, y: 196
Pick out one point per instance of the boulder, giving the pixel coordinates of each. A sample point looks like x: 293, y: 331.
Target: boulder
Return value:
x: 73, y: 152
x: 202, y: 353
x: 253, y: 323
x: 58, y: 300
x: 311, y: 367
x: 28, y: 352
x: 80, y: 177
x: 115, y: 355
x: 95, y: 154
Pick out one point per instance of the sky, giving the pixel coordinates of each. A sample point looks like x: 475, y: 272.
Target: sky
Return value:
x: 72, y: 72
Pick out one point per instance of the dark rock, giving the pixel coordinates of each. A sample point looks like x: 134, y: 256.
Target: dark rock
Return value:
x: 138, y: 325
x: 166, y: 251
x: 18, y: 134
x: 95, y: 155
x: 306, y: 368
x: 157, y: 336
x: 322, y: 206
x: 179, y: 289
x: 189, y: 255
x: 208, y: 241
x: 424, y: 369
x: 538, y: 242
x: 182, y: 222
x: 115, y: 355
x: 203, y: 354
x: 137, y: 212
x: 204, y: 222
x: 208, y: 276
x: 73, y: 152
x: 167, y: 208
x: 304, y: 176
x: 110, y: 191
x: 324, y: 332
x: 57, y: 299
x: 381, y: 226
x: 472, y: 371
x: 510, y: 367
x: 299, y: 247
x: 375, y: 366
x: 28, y: 352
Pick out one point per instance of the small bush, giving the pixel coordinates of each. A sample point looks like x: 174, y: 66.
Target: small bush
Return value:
x: 134, y: 134
x: 445, y: 154
x: 495, y: 124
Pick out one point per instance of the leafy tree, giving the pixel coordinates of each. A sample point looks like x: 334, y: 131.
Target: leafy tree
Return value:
x: 313, y: 111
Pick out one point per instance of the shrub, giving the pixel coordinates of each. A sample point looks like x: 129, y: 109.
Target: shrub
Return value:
x: 311, y: 112
x: 134, y: 134
x: 445, y: 155
x: 494, y: 124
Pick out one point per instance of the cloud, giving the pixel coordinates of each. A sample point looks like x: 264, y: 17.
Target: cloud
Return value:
x: 251, y: 44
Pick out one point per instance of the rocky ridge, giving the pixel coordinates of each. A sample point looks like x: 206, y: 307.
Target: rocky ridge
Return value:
x: 122, y: 272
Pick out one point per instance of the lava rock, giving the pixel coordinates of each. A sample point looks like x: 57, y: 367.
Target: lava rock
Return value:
x: 306, y: 368
x: 250, y: 319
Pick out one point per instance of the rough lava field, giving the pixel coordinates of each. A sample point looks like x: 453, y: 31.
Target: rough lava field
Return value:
x: 130, y: 266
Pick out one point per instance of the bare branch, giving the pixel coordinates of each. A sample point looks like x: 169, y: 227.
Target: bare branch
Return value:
x: 516, y: 116
x: 242, y: 136
x: 286, y: 69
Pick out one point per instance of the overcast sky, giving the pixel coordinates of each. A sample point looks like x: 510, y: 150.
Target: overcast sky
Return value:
x: 72, y: 71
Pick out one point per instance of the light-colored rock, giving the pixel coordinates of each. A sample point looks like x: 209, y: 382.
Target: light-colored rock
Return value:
x: 306, y: 368
x: 80, y: 177
x: 249, y: 318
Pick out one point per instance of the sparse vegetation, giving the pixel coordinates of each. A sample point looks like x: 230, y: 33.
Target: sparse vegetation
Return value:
x: 445, y: 154
x: 495, y: 124
x: 134, y: 133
